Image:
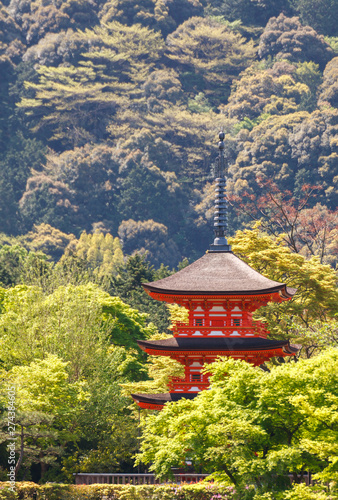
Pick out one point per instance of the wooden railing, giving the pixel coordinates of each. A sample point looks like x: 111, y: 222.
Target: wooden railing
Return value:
x: 226, y: 331
x: 87, y: 478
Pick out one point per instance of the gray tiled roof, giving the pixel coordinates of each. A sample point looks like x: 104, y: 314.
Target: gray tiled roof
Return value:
x: 163, y: 398
x: 221, y: 273
x: 215, y: 344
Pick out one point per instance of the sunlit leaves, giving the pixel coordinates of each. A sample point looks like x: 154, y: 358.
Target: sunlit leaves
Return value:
x: 316, y: 295
x: 255, y: 427
x: 210, y: 55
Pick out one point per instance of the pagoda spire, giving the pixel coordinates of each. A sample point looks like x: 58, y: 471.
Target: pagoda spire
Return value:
x: 221, y: 293
x: 221, y: 202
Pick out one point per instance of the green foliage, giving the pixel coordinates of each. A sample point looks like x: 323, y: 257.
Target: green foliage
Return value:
x: 56, y: 193
x: 140, y: 237
x: 88, y: 102
x: 161, y: 88
x: 249, y: 12
x: 286, y: 38
x: 56, y: 491
x: 128, y: 96
x: 316, y: 296
x: 259, y: 94
x: 48, y: 240
x: 17, y: 265
x: 253, y: 426
x: 37, y: 18
x: 68, y: 351
x: 47, y: 404
x: 329, y: 89
x: 315, y: 337
x: 279, y: 148
x: 101, y: 251
x: 73, y: 323
x: 210, y: 54
x: 154, y: 14
x: 20, y: 156
x: 316, y: 15
x: 333, y: 42
x: 199, y: 104
x: 128, y: 285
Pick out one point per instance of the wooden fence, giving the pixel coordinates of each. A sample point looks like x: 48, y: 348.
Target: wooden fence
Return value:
x: 86, y: 478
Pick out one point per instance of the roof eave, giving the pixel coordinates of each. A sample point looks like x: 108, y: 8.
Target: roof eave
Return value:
x: 144, y: 344
x: 149, y: 288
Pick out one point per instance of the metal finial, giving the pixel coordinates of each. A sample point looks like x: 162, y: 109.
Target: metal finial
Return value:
x: 221, y: 203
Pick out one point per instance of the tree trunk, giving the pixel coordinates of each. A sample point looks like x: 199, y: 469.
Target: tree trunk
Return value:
x: 18, y: 464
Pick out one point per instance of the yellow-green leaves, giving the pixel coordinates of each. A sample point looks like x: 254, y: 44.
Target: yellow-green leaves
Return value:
x: 255, y: 427
x: 76, y: 323
x: 211, y: 52
x: 102, y: 252
x: 316, y: 296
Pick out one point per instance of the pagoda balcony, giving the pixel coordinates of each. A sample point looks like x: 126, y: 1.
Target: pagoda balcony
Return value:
x: 227, y: 331
x: 186, y: 386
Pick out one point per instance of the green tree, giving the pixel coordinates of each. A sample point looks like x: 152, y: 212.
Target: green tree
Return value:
x: 18, y: 265
x: 162, y: 88
x: 73, y: 190
x: 322, y: 16
x: 329, y: 89
x: 63, y: 47
x: 153, y: 14
x: 73, y: 103
x: 250, y: 12
x: 72, y: 322
x: 128, y: 285
x: 294, y: 150
x: 21, y: 154
x: 108, y: 424
x: 252, y: 427
x: 103, y: 253
x: 127, y: 53
x: 48, y: 201
x: 47, y: 404
x: 38, y: 18
x: 286, y: 38
x: 265, y: 153
x: 151, y: 239
x: 316, y: 284
x: 266, y: 93
x: 48, y: 240
x: 70, y: 104
x: 210, y: 56
x: 315, y: 337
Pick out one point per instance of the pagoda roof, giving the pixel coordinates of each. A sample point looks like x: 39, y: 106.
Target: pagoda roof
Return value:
x: 221, y: 273
x: 161, y: 399
x: 222, y: 344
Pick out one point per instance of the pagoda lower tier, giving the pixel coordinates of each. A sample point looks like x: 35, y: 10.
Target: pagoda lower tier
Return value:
x: 156, y: 401
x: 196, y: 353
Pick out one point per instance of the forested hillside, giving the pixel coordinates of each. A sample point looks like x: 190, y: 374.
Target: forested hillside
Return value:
x: 110, y: 112
x: 109, y: 119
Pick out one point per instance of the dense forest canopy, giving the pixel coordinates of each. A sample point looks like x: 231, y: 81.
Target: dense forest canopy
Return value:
x: 109, y: 117
x: 110, y: 112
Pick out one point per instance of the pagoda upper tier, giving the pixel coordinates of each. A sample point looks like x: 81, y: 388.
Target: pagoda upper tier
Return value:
x: 216, y: 273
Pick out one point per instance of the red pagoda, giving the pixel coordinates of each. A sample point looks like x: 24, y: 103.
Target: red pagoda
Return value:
x: 220, y: 292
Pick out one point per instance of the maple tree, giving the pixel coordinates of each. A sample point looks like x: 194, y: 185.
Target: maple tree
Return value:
x: 305, y: 229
